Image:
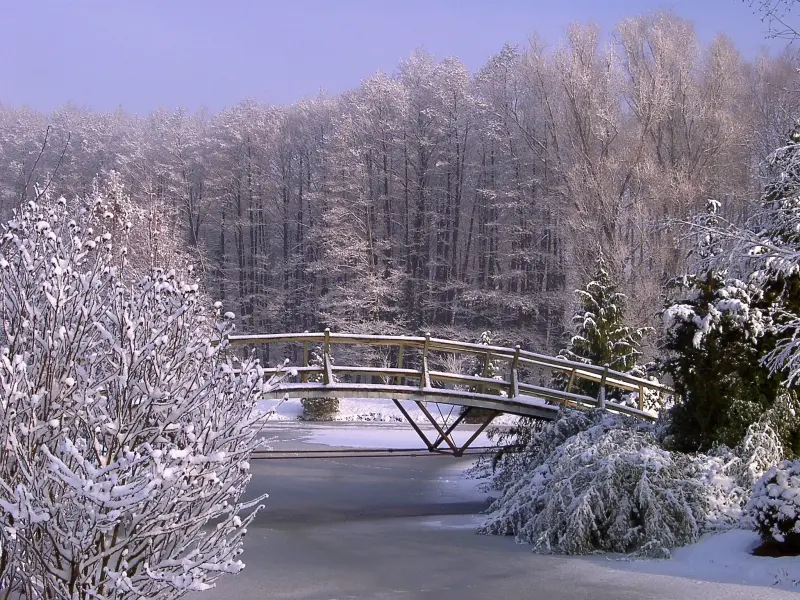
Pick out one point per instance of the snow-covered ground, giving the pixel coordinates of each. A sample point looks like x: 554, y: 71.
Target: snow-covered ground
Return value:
x: 723, y: 558
x: 368, y: 409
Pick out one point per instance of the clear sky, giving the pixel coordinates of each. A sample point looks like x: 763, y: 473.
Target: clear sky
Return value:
x: 142, y: 54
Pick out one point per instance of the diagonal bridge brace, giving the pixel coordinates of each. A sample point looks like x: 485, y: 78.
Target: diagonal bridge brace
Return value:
x: 444, y: 435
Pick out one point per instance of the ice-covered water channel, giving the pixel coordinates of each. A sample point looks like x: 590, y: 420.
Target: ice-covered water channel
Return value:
x: 403, y: 528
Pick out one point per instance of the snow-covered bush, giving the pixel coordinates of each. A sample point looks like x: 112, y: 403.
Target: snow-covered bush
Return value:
x: 125, y: 426
x: 319, y: 409
x: 599, y: 482
x: 775, y: 506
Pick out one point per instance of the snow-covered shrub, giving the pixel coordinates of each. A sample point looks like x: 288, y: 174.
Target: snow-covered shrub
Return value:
x: 319, y: 409
x: 125, y: 426
x: 775, y: 506
x: 608, y: 487
x: 599, y: 482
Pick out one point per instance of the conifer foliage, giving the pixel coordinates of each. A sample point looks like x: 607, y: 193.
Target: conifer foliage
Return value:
x: 778, y: 248
x: 126, y: 426
x: 732, y: 345
x: 601, y: 335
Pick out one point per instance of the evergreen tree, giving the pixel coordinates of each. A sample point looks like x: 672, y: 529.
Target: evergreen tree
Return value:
x: 716, y: 338
x: 733, y: 345
x: 779, y: 254
x: 600, y: 334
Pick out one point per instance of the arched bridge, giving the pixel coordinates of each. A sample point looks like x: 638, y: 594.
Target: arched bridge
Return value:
x: 400, y: 368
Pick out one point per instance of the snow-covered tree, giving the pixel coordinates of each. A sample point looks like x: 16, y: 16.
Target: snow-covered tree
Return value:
x: 716, y: 336
x: 715, y: 339
x: 125, y: 425
x: 734, y: 345
x: 601, y: 335
x: 777, y: 254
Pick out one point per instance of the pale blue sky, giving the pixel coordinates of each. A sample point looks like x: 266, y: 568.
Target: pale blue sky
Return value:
x: 144, y: 53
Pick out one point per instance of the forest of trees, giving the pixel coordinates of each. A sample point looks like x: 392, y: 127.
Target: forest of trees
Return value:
x: 436, y: 198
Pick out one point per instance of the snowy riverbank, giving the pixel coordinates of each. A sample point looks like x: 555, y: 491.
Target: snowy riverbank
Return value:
x: 370, y: 410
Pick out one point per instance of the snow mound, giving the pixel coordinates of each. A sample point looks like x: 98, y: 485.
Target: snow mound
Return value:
x: 724, y: 558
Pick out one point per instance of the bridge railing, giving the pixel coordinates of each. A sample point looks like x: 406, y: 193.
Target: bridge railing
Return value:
x: 425, y: 378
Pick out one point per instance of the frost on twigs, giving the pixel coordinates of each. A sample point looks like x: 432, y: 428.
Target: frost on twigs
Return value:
x: 599, y: 482
x: 125, y: 425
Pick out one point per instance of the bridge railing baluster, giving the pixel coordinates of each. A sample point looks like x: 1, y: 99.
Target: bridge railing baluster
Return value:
x: 327, y: 375
x: 602, y: 396
x: 514, y: 391
x: 425, y: 379
x: 304, y: 374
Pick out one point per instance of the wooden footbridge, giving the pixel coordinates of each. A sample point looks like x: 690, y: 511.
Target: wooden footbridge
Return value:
x: 400, y: 369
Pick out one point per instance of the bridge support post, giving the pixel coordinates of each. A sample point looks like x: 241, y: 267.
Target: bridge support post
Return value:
x: 425, y: 378
x: 475, y: 435
x: 327, y: 375
x: 438, y: 428
x: 514, y: 381
x: 452, y: 427
x: 571, y: 380
x: 602, y: 397
x: 304, y: 375
x: 413, y: 423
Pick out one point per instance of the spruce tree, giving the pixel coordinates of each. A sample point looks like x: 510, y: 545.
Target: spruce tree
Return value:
x: 600, y: 334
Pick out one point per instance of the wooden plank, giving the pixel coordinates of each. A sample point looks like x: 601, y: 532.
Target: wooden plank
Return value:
x: 514, y: 380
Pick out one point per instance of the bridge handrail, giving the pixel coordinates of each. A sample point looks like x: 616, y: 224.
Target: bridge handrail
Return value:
x: 595, y: 373
x: 516, y: 357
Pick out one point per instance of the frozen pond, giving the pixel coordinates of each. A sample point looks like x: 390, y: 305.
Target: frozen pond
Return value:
x: 403, y: 528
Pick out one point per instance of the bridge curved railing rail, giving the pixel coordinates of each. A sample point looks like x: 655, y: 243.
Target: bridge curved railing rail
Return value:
x: 520, y: 397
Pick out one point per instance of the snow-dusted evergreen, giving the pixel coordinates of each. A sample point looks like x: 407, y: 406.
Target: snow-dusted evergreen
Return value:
x: 125, y: 425
x: 601, y: 335
x: 730, y: 343
x: 775, y: 505
x: 778, y: 255
x: 715, y: 339
x: 599, y: 482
